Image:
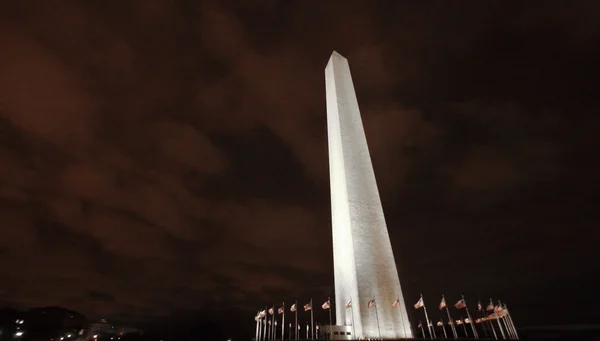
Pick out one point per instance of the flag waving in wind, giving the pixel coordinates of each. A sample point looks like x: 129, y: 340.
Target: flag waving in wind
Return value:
x: 307, y: 307
x: 325, y: 305
x: 396, y: 303
x: 371, y: 303
x: 490, y: 306
x: 460, y: 304
x: 349, y: 304
x: 443, y: 303
x: 272, y: 311
x: 280, y: 311
x: 419, y: 303
x: 293, y: 307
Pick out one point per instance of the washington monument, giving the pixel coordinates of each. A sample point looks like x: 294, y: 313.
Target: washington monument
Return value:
x: 366, y: 278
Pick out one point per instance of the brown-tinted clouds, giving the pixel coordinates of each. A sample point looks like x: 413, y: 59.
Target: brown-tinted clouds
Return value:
x: 158, y: 157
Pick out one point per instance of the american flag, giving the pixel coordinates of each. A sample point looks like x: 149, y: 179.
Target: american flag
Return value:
x: 443, y: 303
x: 325, y: 305
x: 460, y: 304
x: 419, y: 303
x: 371, y: 303
x: 396, y: 303
x: 280, y: 311
x: 308, y: 307
x: 349, y: 304
x: 293, y: 307
x: 272, y: 311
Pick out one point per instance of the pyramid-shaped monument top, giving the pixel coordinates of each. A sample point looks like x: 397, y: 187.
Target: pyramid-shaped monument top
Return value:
x: 364, y: 265
x: 336, y: 56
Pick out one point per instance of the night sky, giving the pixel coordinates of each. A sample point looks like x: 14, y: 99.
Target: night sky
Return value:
x: 163, y: 158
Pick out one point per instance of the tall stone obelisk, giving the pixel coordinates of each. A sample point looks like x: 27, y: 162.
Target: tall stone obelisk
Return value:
x: 364, y: 266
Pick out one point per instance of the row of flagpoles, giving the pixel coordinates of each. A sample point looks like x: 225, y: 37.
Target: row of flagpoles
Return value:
x: 498, y: 313
x: 266, y: 321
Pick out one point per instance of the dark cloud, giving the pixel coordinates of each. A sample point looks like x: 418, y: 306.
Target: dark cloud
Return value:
x: 160, y: 157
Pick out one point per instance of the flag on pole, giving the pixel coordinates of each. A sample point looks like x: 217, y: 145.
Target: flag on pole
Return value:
x: 443, y: 303
x: 490, y: 306
x: 419, y: 303
x: 280, y: 311
x: 478, y: 320
x: 307, y: 307
x: 459, y: 322
x: 420, y: 325
x: 263, y: 313
x: 396, y: 303
x: 293, y: 307
x: 460, y: 304
x: 349, y: 304
x: 467, y: 320
x: 479, y: 307
x: 371, y: 303
x: 325, y: 305
x: 440, y: 323
x: 272, y: 311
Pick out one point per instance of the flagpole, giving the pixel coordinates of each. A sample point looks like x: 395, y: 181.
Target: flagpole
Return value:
x: 444, y: 328
x: 500, y: 316
x: 307, y: 330
x: 483, y: 323
x: 489, y: 320
x: 498, y: 320
x: 352, y: 315
x: 283, y: 321
x: 464, y: 326
x: 422, y: 330
x: 508, y: 330
x: 257, y: 320
x: 265, y: 328
x: 450, y: 320
x: 330, y: 320
x: 470, y: 319
x: 273, y: 325
x: 296, y: 313
x: 377, y: 317
x: 427, y: 318
x: 312, y: 327
x: 511, y: 321
x: 257, y: 329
